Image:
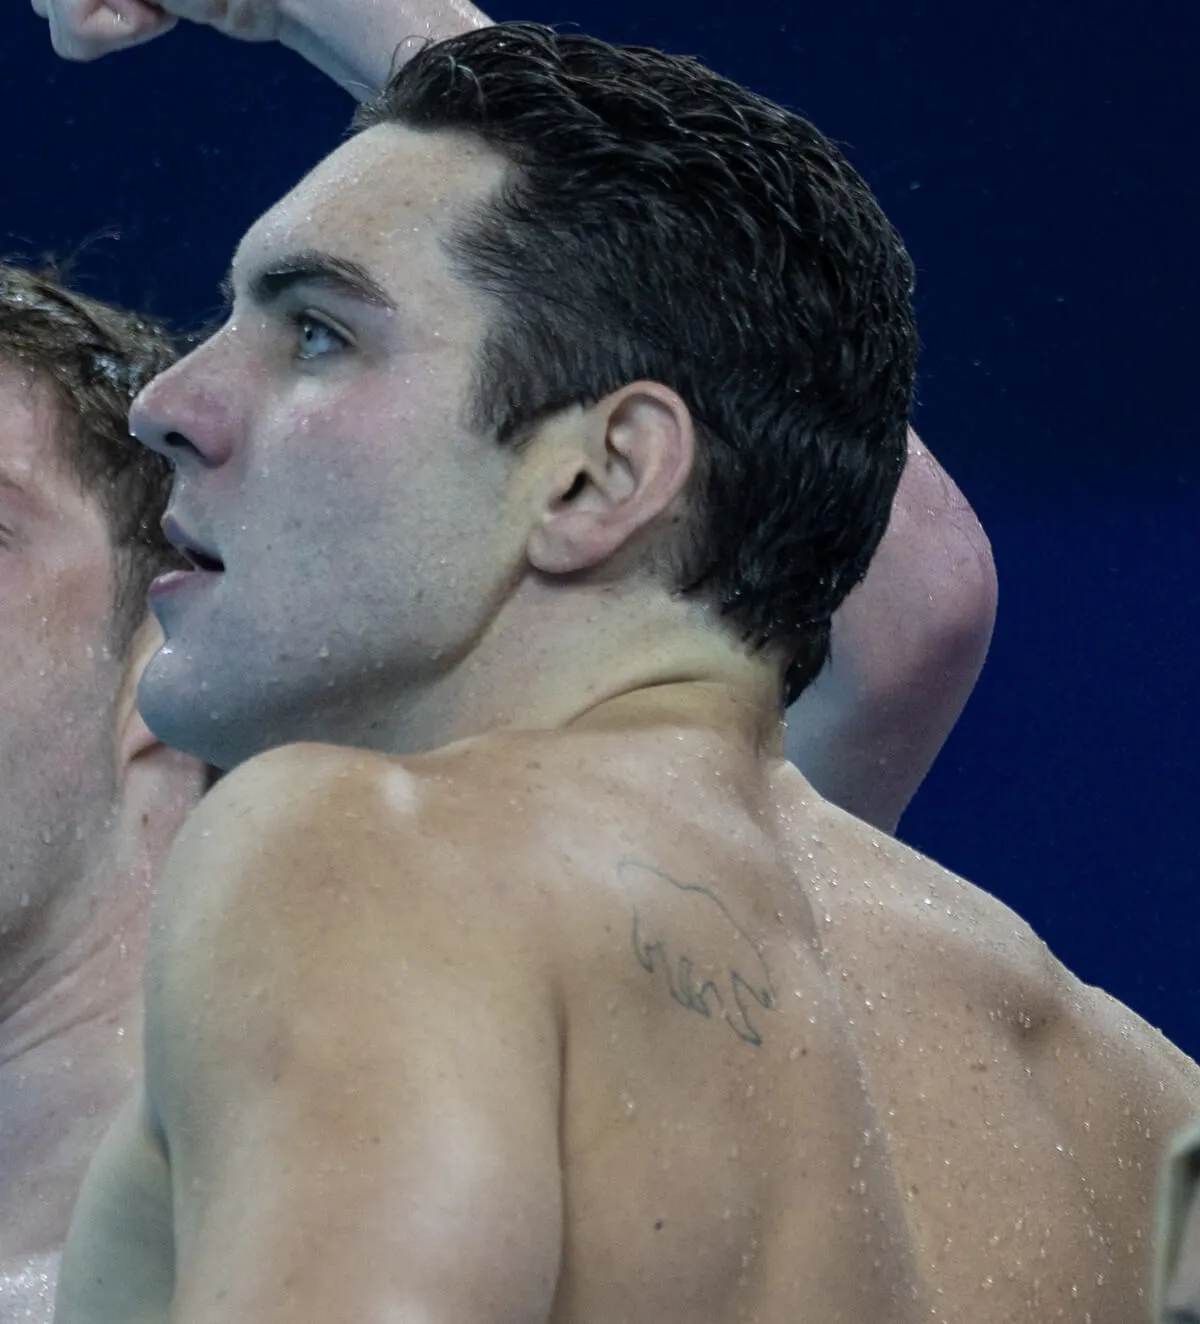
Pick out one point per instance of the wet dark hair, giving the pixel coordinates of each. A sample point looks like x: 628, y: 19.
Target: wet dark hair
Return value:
x: 94, y: 359
x: 662, y: 223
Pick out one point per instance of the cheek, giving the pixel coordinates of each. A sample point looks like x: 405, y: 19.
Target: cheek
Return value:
x: 375, y: 451
x: 60, y: 679
x: 61, y: 608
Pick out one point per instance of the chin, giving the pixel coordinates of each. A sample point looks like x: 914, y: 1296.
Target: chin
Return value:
x: 188, y: 715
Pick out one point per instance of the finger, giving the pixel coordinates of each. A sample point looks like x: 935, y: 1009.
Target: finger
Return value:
x: 87, y: 32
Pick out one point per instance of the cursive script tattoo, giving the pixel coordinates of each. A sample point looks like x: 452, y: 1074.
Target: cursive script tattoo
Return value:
x: 731, y: 996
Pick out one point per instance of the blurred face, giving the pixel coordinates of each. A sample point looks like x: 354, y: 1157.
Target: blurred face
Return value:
x: 58, y: 756
x: 348, y: 527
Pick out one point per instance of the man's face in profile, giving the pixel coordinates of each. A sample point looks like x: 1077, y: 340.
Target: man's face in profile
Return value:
x: 351, y: 522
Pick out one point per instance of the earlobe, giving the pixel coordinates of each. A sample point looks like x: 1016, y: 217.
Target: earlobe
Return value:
x: 134, y: 738
x: 137, y: 740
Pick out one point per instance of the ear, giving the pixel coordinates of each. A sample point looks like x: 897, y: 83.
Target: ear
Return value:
x: 135, y: 740
x: 624, y: 465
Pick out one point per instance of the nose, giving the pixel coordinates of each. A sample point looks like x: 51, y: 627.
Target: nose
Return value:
x: 185, y: 413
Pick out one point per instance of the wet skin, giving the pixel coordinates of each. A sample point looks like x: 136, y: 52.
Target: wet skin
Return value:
x: 655, y: 1034
x: 598, y: 1013
x: 69, y: 1015
x: 88, y: 804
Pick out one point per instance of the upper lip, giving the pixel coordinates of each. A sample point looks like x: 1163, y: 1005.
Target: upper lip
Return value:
x: 201, y: 555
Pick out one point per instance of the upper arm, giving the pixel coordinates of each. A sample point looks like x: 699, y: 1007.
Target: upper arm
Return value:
x: 908, y: 645
x: 356, y: 1068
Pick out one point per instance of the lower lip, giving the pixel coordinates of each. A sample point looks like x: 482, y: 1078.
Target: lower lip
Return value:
x: 177, y: 581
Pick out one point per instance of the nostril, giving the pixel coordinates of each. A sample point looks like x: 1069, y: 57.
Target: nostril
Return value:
x: 177, y: 441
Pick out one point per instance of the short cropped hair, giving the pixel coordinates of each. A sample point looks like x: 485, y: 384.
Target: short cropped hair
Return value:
x: 95, y: 358
x: 662, y: 223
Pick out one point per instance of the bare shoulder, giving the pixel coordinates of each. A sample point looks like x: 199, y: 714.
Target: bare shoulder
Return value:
x: 316, y: 881
x: 293, y: 837
x: 1138, y: 1074
x: 348, y: 1007
x: 331, y: 819
x: 1111, y: 1068
x: 906, y: 903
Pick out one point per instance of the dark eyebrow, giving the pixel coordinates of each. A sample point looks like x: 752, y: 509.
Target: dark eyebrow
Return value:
x: 337, y: 275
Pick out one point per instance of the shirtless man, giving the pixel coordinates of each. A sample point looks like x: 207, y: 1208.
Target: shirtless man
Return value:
x: 89, y: 800
x: 72, y: 1033
x: 563, y: 997
x: 909, y: 642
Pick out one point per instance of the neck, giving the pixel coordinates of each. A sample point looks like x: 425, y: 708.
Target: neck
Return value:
x: 70, y: 1046
x: 71, y: 1009
x: 552, y: 657
x: 78, y: 964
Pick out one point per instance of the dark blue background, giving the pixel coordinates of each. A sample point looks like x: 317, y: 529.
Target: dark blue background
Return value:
x: 1040, y: 159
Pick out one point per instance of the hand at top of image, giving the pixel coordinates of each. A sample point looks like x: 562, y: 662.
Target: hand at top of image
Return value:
x: 89, y: 29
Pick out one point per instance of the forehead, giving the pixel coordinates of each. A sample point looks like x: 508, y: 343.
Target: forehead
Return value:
x: 32, y: 467
x: 385, y: 199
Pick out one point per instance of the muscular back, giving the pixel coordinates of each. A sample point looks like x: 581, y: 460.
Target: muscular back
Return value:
x: 931, y: 1119
x: 678, y: 1041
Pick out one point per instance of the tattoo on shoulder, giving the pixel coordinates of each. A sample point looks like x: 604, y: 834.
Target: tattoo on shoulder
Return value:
x: 733, y: 995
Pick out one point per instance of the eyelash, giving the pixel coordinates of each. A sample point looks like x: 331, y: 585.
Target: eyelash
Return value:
x: 304, y: 320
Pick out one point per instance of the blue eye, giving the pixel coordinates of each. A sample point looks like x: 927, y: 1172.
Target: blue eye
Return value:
x: 316, y: 338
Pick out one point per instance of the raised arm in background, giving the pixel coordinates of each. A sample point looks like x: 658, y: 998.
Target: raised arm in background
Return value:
x: 908, y: 646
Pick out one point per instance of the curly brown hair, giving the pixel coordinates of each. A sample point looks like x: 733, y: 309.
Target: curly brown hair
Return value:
x: 95, y: 358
